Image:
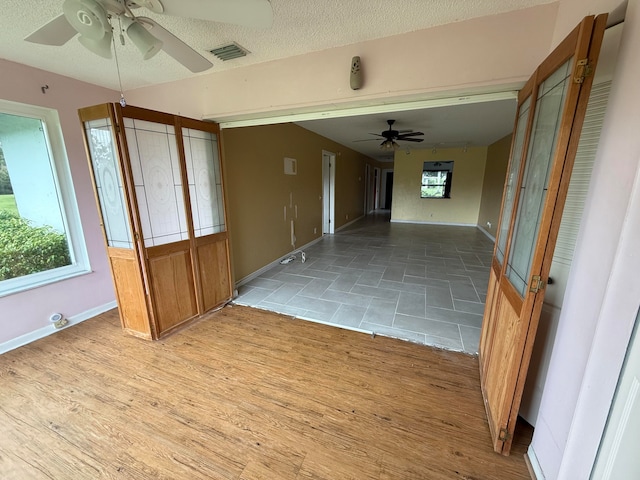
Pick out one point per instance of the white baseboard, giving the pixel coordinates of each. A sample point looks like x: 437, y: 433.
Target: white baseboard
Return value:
x: 491, y: 237
x: 269, y: 266
x: 534, y: 465
x: 50, y: 329
x: 347, y: 224
x: 417, y: 222
x: 259, y: 272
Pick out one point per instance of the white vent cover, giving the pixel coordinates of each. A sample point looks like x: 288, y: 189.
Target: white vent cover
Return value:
x: 229, y: 51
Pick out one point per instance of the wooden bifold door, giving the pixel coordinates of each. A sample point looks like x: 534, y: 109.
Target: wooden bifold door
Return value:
x: 551, y: 109
x: 158, y: 185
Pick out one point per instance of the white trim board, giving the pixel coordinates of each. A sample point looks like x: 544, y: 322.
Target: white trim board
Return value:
x: 491, y: 237
x: 534, y: 464
x: 347, y: 224
x: 417, y: 222
x: 50, y: 329
x: 270, y: 118
x: 267, y: 267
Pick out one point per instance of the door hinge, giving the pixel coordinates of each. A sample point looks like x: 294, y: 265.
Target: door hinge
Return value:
x: 536, y: 284
x: 583, y: 70
x: 504, y: 435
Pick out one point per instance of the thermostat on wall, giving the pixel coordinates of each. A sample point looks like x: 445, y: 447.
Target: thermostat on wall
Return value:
x: 290, y: 166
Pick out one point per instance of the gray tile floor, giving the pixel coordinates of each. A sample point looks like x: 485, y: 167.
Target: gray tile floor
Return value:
x: 422, y: 283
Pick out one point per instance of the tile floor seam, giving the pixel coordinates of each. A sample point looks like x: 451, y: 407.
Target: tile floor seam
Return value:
x: 461, y: 339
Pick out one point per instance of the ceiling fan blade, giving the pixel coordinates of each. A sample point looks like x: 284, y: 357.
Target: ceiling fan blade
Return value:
x: 249, y: 13
x: 175, y: 47
x: 57, y: 32
x: 365, y: 140
x: 410, y: 139
x: 410, y: 134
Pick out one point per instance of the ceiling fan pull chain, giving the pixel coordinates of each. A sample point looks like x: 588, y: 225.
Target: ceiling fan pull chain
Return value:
x: 123, y: 102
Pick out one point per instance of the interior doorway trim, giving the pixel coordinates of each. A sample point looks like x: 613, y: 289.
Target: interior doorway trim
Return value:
x: 328, y: 192
x: 266, y: 118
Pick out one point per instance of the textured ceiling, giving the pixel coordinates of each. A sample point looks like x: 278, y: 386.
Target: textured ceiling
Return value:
x: 299, y: 26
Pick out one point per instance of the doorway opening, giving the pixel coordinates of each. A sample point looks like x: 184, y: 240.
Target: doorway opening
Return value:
x: 387, y: 189
x: 328, y: 192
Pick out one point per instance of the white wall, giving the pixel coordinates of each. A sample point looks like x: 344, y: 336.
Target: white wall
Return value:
x: 603, y: 290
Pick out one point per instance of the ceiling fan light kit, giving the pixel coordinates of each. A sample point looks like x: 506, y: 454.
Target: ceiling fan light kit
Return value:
x: 101, y: 47
x: 141, y: 38
x: 389, y: 145
x: 87, y: 17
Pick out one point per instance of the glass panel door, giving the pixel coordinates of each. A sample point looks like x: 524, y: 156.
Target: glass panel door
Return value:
x: 512, y: 179
x: 155, y: 166
x: 108, y: 183
x: 205, y: 181
x: 544, y: 134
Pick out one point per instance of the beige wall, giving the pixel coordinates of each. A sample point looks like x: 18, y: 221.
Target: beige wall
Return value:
x: 259, y: 193
x: 466, y: 189
x: 493, y: 184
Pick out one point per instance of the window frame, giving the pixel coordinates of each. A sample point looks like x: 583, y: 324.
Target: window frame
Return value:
x: 62, y: 180
x: 446, y: 193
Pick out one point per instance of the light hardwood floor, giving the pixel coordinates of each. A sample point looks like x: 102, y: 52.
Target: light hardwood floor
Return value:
x: 243, y: 394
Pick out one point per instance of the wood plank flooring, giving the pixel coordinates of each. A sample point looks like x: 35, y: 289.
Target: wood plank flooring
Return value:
x: 243, y: 394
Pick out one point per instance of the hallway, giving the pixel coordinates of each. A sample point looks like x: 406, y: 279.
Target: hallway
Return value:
x: 421, y: 283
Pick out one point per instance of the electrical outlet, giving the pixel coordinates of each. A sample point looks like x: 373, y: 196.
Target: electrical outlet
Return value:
x: 489, y: 224
x: 315, y: 230
x: 58, y: 320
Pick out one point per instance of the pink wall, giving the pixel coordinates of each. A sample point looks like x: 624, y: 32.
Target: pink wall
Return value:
x: 28, y: 311
x: 603, y: 290
x: 482, y: 54
x: 571, y: 12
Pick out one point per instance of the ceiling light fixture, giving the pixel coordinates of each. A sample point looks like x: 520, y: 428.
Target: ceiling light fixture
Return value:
x: 389, y: 145
x: 100, y: 47
x: 141, y: 38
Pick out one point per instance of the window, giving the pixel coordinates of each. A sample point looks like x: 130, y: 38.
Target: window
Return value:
x: 436, y: 180
x: 40, y: 235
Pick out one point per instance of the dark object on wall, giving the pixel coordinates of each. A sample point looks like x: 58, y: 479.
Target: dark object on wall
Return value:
x: 356, y: 79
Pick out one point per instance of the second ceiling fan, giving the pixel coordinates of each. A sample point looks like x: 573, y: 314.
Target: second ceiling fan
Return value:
x: 391, y: 137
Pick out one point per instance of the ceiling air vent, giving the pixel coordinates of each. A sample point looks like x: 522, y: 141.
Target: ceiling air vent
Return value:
x: 229, y: 51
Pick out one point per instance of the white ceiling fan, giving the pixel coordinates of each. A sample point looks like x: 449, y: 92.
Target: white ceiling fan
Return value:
x: 91, y: 19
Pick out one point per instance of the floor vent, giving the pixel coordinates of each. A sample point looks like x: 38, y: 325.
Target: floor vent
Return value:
x: 229, y: 51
